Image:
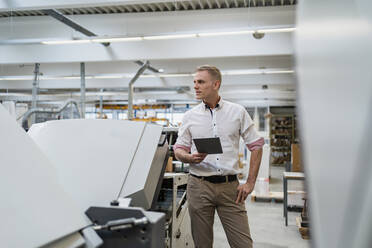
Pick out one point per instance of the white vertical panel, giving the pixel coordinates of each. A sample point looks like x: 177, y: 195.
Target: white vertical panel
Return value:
x: 334, y: 51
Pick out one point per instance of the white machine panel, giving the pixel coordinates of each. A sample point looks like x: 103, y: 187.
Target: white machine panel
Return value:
x: 92, y: 157
x: 98, y: 160
x: 34, y: 209
x: 143, y: 179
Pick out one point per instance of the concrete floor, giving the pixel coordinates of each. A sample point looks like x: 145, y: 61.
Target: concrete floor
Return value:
x: 267, y: 222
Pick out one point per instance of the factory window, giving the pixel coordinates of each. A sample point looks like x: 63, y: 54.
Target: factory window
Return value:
x: 263, y: 125
x: 90, y: 115
x: 174, y: 118
x: 122, y: 116
x: 177, y: 118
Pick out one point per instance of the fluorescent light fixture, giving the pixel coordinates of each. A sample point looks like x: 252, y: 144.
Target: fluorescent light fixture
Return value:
x: 112, y: 76
x: 107, y: 76
x: 16, y: 78
x: 123, y: 39
x: 166, y: 75
x: 176, y: 75
x: 168, y: 37
x: 107, y: 39
x: 70, y: 77
x: 148, y: 76
x: 226, y: 33
x: 279, y: 72
x: 65, y: 42
x: 276, y: 30
x: 241, y: 72
x: 256, y: 72
x: 50, y: 77
x: 169, y: 75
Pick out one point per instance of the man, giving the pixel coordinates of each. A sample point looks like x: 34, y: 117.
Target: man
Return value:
x: 213, y: 183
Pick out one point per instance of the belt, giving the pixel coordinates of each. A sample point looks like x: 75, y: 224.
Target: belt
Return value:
x: 217, y: 179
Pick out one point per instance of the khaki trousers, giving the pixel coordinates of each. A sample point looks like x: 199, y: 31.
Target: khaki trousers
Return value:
x: 204, y: 198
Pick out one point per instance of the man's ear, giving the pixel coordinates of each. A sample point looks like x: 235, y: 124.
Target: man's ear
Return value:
x: 217, y: 84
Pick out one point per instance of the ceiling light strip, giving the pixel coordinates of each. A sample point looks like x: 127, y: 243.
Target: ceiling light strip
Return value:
x: 169, y: 75
x: 164, y: 37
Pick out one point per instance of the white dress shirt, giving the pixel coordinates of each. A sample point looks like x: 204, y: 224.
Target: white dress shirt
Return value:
x: 229, y: 122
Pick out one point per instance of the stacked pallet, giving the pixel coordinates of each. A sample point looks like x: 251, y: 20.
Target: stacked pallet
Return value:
x: 270, y: 197
x: 303, y: 222
x: 303, y: 227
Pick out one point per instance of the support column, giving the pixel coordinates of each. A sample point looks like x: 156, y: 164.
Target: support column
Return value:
x: 82, y: 89
x: 101, y: 104
x: 35, y: 88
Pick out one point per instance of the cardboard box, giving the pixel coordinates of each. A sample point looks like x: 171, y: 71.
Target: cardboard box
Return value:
x: 169, y: 167
x: 296, y: 158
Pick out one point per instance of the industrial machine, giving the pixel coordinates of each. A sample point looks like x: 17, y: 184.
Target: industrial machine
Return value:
x: 39, y: 210
x: 89, y: 183
x: 103, y: 162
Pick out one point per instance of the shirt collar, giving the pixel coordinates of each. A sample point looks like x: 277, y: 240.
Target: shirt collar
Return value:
x: 218, y: 106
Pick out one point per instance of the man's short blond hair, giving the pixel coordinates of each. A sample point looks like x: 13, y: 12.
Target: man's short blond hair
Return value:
x: 212, y: 70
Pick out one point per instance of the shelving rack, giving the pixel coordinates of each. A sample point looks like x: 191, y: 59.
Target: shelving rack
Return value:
x: 282, y: 135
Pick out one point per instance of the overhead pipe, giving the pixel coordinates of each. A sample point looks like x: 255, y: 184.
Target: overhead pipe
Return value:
x: 131, y: 87
x: 39, y: 110
x: 149, y: 67
x: 60, y: 17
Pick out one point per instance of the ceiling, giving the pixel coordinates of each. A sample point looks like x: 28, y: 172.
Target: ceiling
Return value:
x: 179, y: 5
x: 249, y: 64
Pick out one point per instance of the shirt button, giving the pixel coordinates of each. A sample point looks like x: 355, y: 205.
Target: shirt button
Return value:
x: 218, y: 159
x: 214, y: 124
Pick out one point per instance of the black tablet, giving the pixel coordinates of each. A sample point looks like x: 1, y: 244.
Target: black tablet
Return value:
x: 208, y: 145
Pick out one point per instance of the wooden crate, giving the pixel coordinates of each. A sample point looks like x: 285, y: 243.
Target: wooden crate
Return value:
x: 304, y: 231
x: 169, y: 167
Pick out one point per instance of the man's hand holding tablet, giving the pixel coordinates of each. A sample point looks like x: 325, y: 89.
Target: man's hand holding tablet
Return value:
x: 197, y: 157
x: 208, y: 145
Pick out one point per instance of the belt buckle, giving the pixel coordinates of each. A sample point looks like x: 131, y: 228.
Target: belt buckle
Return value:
x: 226, y: 179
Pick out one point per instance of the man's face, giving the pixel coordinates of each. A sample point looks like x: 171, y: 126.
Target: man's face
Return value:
x: 204, y: 85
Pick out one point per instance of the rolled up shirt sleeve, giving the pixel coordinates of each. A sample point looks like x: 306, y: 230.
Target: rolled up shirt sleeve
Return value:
x: 184, y: 140
x: 249, y: 133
